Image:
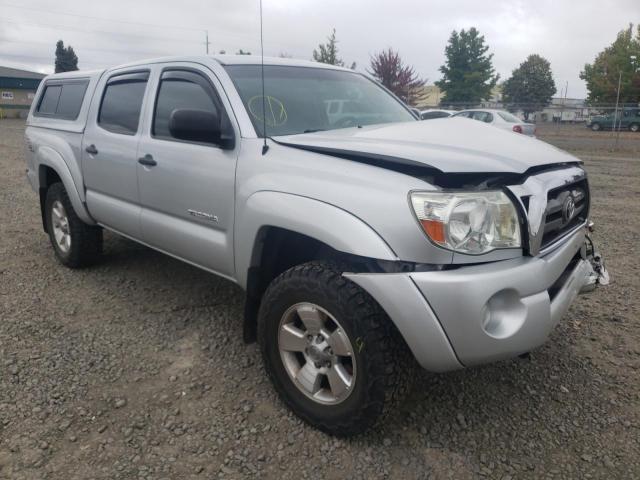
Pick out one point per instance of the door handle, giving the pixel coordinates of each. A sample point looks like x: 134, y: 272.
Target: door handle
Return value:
x: 147, y: 161
x: 91, y: 149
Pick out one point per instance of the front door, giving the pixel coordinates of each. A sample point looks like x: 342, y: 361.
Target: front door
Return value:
x: 109, y: 148
x: 187, y: 188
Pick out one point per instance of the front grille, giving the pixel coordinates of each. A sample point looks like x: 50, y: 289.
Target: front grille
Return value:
x: 560, y: 217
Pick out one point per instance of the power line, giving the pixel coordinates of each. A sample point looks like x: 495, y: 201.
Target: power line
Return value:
x: 40, y: 57
x: 68, y: 27
x: 155, y: 25
x: 108, y: 50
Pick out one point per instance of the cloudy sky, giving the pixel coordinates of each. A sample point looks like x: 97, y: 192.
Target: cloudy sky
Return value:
x: 567, y: 32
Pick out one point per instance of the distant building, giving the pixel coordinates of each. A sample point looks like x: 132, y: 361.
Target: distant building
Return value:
x: 564, y: 110
x: 17, y: 90
x: 430, y: 97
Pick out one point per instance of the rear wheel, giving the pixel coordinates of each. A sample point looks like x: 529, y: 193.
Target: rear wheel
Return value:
x: 595, y: 127
x: 634, y: 127
x: 331, y: 352
x: 75, y: 243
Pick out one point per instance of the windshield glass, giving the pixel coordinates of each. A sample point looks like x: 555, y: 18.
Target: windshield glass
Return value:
x: 302, y: 99
x: 507, y: 117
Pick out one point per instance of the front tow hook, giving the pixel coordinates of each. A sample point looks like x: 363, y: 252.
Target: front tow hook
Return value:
x: 598, y: 273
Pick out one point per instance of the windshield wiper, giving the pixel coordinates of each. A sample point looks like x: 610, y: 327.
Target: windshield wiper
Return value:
x: 313, y: 130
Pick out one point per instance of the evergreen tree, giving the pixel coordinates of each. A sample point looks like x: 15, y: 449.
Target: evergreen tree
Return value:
x: 328, y: 52
x: 66, y: 59
x: 389, y: 69
x: 620, y: 60
x: 530, y: 86
x: 468, y: 76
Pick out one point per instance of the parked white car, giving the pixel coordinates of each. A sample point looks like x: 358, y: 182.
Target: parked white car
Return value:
x: 500, y: 119
x: 435, y: 113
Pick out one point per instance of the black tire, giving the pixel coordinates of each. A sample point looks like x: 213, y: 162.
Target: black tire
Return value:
x: 86, y: 240
x: 596, y: 127
x: 384, y: 363
x: 634, y: 127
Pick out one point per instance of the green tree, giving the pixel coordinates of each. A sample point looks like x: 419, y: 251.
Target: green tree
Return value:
x: 328, y: 52
x: 620, y: 60
x: 66, y: 59
x: 390, y: 70
x: 468, y: 76
x: 530, y: 86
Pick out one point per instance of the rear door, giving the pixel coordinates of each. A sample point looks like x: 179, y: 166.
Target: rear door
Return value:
x: 187, y: 189
x: 109, y: 149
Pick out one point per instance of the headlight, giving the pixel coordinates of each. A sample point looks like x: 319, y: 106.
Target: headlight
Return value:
x: 468, y: 222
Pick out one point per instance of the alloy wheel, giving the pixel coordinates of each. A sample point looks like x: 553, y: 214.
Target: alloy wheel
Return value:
x: 317, y: 353
x: 60, y: 224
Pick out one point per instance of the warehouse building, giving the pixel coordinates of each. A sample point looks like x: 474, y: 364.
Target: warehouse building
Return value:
x: 17, y: 90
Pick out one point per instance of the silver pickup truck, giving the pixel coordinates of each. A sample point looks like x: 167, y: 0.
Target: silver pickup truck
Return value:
x: 366, y: 240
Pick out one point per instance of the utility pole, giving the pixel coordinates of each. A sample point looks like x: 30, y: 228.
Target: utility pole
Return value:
x: 564, y: 100
x: 206, y: 41
x: 615, y: 117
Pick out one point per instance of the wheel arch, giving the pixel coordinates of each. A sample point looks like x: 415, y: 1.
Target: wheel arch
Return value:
x: 51, y: 169
x: 276, y: 231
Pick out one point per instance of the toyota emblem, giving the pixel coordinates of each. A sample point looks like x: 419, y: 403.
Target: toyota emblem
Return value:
x: 568, y: 209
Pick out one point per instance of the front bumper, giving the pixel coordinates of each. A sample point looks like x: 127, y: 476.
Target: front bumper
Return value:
x: 481, y: 313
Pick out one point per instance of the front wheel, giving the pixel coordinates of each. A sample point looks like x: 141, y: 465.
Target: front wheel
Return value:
x: 634, y: 127
x: 75, y: 243
x: 595, y: 127
x: 331, y: 352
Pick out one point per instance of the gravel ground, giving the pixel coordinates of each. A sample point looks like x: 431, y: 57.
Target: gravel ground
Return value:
x: 136, y: 369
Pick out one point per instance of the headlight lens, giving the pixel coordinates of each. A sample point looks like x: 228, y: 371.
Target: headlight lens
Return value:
x: 468, y: 222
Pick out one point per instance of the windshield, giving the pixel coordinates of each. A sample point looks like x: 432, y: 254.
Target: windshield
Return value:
x: 507, y: 117
x: 303, y: 99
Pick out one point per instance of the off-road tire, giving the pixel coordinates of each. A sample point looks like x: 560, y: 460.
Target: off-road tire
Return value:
x: 86, y: 240
x: 384, y: 362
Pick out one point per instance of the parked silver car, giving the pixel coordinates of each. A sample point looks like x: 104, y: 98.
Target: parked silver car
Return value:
x: 360, y: 243
x: 501, y: 119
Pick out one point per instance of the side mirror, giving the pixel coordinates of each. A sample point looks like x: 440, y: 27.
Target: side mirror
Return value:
x: 416, y: 112
x: 198, y: 126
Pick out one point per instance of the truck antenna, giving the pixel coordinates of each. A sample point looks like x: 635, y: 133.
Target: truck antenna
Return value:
x: 265, y: 147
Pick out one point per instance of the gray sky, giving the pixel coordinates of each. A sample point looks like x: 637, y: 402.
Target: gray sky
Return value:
x: 567, y: 32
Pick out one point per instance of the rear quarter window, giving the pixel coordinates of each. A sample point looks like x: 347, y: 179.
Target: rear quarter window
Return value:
x: 49, y: 101
x: 62, y: 100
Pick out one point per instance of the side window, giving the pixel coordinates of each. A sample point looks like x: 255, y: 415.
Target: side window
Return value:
x: 181, y: 89
x: 71, y: 100
x: 49, y: 101
x: 483, y: 116
x: 62, y: 99
x: 122, y: 103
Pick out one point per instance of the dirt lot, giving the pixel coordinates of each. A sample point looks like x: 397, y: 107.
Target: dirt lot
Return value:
x: 136, y: 368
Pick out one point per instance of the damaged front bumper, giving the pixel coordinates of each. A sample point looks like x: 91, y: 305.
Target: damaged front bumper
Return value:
x: 481, y: 313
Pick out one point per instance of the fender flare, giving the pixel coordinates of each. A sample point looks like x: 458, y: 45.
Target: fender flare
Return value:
x: 47, y: 156
x: 321, y: 221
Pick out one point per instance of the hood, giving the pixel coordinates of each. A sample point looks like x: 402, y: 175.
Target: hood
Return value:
x: 449, y: 145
